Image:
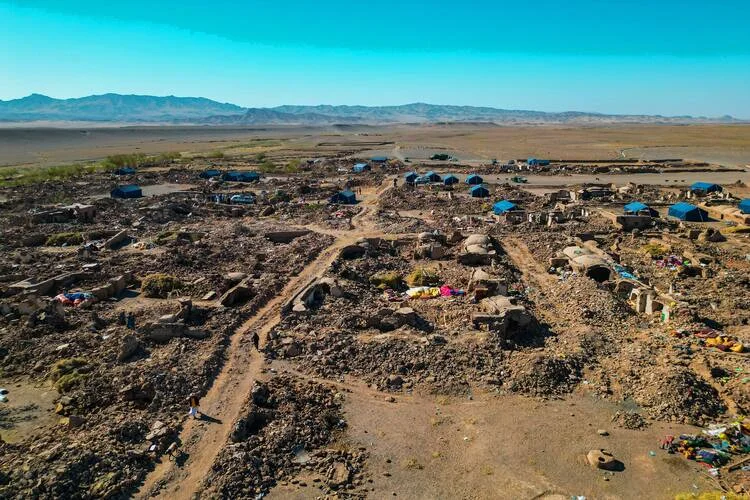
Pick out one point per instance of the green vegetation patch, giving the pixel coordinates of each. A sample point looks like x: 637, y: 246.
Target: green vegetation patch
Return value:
x: 159, y: 285
x: 423, y: 276
x: 68, y: 373
x: 60, y: 239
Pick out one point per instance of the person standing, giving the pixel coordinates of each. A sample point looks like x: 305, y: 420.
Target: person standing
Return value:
x: 130, y: 321
x: 256, y: 340
x: 194, y: 401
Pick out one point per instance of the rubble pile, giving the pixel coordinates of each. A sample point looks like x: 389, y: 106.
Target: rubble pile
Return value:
x: 283, y: 430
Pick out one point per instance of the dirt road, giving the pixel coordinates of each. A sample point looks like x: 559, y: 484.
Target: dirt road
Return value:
x: 203, y: 439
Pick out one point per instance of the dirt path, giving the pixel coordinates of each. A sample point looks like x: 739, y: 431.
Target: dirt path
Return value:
x: 533, y: 272
x: 203, y: 440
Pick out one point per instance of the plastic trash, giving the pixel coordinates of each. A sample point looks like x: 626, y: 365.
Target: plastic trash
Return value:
x: 3, y: 398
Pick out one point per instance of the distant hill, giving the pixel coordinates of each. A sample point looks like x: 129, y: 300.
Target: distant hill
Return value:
x: 114, y: 108
x: 201, y: 111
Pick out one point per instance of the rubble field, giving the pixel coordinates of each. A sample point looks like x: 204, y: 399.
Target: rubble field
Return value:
x: 294, y: 317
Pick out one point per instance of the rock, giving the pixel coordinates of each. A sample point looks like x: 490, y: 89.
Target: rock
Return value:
x: 128, y: 347
x: 436, y: 339
x: 602, y: 459
x: 260, y: 394
x: 339, y: 475
x: 406, y: 316
x: 602, y: 432
x: 72, y: 421
x: 395, y: 381
x: 269, y: 210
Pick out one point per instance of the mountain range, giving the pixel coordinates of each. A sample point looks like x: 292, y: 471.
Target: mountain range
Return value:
x: 142, y: 109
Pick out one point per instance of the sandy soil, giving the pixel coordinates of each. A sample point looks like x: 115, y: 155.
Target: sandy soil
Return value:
x: 725, y: 144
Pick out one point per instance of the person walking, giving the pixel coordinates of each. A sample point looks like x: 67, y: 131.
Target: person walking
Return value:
x: 194, y: 401
x: 256, y: 340
x: 130, y: 321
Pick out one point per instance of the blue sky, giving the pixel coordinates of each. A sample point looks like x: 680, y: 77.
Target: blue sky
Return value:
x: 655, y: 57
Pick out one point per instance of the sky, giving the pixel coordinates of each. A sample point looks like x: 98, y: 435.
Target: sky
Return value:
x: 667, y: 57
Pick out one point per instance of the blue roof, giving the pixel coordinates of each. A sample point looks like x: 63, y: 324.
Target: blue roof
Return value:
x: 410, y: 174
x: 745, y: 206
x: 503, y: 206
x: 472, y: 176
x: 128, y: 188
x: 635, y: 206
x: 450, y: 179
x: 360, y: 165
x: 704, y: 186
x: 347, y: 193
x: 379, y: 158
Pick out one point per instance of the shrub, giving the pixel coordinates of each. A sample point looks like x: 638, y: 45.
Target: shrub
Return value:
x: 654, y: 250
x: 60, y: 239
x: 159, y: 285
x: 68, y: 373
x: 386, y: 280
x: 422, y: 277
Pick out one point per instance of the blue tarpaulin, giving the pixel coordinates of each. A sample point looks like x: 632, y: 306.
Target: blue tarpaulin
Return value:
x: 410, y: 177
x: 474, y: 180
x: 242, y: 176
x: 745, y: 206
x: 432, y: 176
x: 208, y: 174
x: 450, y: 179
x: 687, y: 212
x: 479, y: 192
x: 344, y: 198
x: 503, y: 206
x: 637, y: 207
x: 128, y: 191
x: 705, y: 187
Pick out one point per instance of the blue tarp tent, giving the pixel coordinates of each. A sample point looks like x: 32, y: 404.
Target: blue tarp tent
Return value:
x: 504, y: 206
x: 687, y: 212
x: 360, y: 167
x: 209, y: 174
x: 450, y: 179
x: 479, y: 192
x: 705, y: 187
x: 637, y: 207
x: 474, y: 180
x: 242, y: 176
x: 410, y: 177
x: 379, y: 159
x: 432, y: 176
x: 125, y: 171
x: 533, y: 162
x: 745, y: 206
x: 344, y: 198
x: 127, y: 191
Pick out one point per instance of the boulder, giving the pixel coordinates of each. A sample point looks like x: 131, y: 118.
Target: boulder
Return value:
x: 128, y: 347
x: 339, y: 475
x: 602, y: 459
